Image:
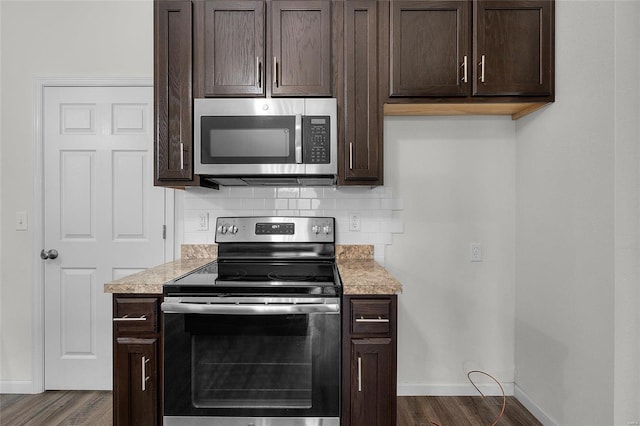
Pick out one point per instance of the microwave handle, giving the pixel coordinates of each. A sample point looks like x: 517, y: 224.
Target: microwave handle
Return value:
x: 298, y: 139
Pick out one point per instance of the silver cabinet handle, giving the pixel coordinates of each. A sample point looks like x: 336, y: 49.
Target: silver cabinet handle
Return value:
x: 127, y: 318
x: 359, y: 374
x: 181, y: 156
x: 350, y: 155
x: 482, y: 63
x: 275, y: 71
x: 49, y: 254
x: 379, y: 319
x: 298, y: 139
x: 464, y: 69
x: 258, y: 72
x: 144, y: 362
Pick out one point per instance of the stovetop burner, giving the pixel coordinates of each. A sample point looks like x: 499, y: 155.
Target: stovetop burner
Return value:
x: 267, y: 256
x: 259, y: 278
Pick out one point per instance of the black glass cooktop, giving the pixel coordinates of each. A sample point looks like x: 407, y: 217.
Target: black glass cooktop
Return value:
x: 260, y: 278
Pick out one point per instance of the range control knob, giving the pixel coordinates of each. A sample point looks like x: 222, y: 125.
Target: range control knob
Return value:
x: 222, y: 229
x: 315, y: 229
x: 326, y: 229
x: 233, y: 229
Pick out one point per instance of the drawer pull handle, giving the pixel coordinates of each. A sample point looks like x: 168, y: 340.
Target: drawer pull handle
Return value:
x: 379, y: 319
x: 359, y: 374
x: 127, y: 318
x: 144, y: 362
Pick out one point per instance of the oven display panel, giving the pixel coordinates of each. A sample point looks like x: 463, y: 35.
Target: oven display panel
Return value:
x: 275, y: 228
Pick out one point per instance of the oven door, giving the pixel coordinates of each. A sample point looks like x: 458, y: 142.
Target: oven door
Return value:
x: 251, y: 363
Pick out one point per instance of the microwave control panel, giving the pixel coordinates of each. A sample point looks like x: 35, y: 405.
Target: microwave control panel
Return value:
x: 316, y: 130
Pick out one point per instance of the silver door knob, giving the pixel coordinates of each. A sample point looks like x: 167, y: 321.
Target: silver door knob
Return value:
x: 49, y: 254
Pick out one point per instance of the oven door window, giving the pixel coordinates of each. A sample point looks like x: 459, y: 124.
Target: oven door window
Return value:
x: 255, y: 362
x: 248, y: 139
x: 252, y: 365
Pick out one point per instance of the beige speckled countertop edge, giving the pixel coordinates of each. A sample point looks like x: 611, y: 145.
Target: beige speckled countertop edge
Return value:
x: 359, y: 272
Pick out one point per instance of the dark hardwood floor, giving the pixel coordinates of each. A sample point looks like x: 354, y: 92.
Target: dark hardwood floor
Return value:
x: 462, y: 411
x: 93, y: 408
x: 53, y: 408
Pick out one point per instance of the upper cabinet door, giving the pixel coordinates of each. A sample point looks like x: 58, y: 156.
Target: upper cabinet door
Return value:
x: 430, y: 48
x: 513, y: 47
x: 300, y: 48
x: 361, y: 163
x: 230, y: 45
x: 173, y: 93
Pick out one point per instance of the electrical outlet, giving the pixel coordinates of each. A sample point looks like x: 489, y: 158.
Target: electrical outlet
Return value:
x: 203, y: 221
x: 354, y: 222
x: 475, y: 253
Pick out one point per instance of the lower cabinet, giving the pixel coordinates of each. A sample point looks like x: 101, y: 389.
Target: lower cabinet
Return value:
x: 369, y: 360
x: 136, y: 360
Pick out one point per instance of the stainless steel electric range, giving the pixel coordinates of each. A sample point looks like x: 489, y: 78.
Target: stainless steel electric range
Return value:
x: 253, y: 339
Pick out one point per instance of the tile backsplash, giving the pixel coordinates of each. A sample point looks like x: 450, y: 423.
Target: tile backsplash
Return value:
x: 375, y: 207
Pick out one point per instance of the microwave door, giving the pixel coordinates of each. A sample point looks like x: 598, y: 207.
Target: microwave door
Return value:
x: 251, y: 144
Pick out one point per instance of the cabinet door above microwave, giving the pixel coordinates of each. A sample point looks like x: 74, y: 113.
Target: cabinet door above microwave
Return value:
x: 252, y: 48
x: 229, y: 48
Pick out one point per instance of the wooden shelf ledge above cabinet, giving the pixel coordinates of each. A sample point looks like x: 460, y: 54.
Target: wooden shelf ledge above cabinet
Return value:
x: 515, y: 109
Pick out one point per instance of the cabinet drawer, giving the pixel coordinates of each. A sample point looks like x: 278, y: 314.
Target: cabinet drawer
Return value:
x: 371, y: 316
x: 135, y: 314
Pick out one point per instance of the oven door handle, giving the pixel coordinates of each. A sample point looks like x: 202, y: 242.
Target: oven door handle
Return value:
x: 249, y: 309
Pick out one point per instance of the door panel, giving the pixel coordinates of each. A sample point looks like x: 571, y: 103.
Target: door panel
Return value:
x: 361, y: 112
x: 515, y: 40
x: 233, y: 34
x: 301, y: 47
x: 429, y: 40
x: 102, y: 215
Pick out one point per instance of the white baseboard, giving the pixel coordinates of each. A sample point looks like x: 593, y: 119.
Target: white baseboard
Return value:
x: 490, y: 389
x: 533, y: 408
x: 18, y: 386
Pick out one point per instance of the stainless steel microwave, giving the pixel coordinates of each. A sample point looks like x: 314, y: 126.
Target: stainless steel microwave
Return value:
x: 268, y: 141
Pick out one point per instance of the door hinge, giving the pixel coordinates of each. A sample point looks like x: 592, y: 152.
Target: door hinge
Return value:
x: 164, y: 232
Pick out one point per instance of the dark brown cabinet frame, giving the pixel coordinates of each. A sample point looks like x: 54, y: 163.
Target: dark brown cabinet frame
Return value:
x: 369, y: 361
x: 137, y: 360
x: 253, y: 48
x: 173, y: 141
x: 508, y: 46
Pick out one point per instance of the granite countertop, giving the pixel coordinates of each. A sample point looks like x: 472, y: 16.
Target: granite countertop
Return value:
x: 151, y: 280
x: 359, y: 272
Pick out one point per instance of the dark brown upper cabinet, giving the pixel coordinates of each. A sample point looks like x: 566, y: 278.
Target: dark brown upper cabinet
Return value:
x: 360, y: 162
x: 471, y: 49
x: 173, y: 141
x: 430, y: 45
x: 512, y: 47
x: 231, y: 32
x: 249, y: 48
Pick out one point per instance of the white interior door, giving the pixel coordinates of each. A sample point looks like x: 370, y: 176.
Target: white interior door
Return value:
x: 103, y: 217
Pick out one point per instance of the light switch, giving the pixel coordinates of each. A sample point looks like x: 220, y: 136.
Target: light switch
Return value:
x: 22, y: 222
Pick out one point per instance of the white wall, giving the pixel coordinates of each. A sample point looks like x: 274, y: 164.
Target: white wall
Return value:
x: 456, y: 179
x: 49, y: 39
x: 627, y: 205
x: 576, y: 328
